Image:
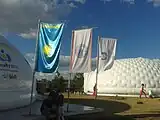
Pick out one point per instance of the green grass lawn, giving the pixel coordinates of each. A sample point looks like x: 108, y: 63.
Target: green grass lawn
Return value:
x: 119, y: 108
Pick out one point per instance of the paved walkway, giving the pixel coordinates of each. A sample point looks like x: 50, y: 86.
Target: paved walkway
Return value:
x: 22, y: 113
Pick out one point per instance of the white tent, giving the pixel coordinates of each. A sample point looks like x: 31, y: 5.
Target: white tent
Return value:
x: 125, y: 77
x: 15, y: 77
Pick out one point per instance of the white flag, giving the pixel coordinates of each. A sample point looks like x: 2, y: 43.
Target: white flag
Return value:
x: 81, y: 51
x: 107, y: 51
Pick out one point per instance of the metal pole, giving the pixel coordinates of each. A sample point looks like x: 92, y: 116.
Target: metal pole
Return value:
x: 97, y: 66
x: 30, y: 111
x: 69, y: 87
x: 69, y: 81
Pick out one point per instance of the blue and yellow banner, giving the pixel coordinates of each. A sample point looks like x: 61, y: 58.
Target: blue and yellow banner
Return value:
x: 48, y: 47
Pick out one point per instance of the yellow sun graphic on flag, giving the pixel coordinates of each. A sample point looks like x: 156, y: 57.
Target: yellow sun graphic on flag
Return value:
x: 47, y: 49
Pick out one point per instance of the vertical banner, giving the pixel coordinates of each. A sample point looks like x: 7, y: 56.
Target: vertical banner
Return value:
x: 48, y: 47
x: 107, y: 51
x: 81, y: 51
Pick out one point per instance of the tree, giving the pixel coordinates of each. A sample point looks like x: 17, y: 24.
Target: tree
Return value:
x: 53, y: 83
x: 79, y: 80
x: 61, y: 83
x: 58, y: 82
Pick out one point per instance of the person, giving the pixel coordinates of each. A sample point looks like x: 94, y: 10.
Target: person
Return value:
x: 60, y: 105
x: 47, y: 108
x: 142, y: 91
x: 94, y: 90
x: 54, y: 95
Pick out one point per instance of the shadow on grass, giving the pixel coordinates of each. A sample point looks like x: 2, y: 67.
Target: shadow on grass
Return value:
x: 144, y: 116
x: 110, y: 108
x: 99, y: 117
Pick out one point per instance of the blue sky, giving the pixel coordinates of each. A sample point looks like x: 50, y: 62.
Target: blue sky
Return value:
x: 136, y: 26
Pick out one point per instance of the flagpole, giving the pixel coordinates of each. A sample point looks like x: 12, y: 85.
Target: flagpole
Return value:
x: 69, y: 81
x: 33, y: 77
x: 69, y: 87
x: 97, y: 66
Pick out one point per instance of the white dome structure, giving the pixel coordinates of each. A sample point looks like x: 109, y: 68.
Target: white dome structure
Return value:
x: 15, y: 77
x: 125, y: 77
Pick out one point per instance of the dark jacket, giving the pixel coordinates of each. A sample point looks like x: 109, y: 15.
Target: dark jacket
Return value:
x: 54, y: 95
x: 46, y: 104
x: 60, y: 100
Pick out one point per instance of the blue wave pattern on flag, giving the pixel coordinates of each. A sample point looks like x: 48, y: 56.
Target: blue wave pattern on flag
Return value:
x: 48, y: 47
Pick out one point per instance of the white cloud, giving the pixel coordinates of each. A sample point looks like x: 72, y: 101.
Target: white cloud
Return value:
x: 156, y: 3
x: 123, y: 1
x: 129, y: 1
x: 63, y: 67
x: 80, y: 1
x: 64, y: 61
x: 31, y: 34
x: 21, y: 16
x: 77, y: 1
x: 72, y: 5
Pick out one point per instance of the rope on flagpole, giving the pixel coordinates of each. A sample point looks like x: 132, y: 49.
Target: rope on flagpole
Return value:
x: 33, y: 77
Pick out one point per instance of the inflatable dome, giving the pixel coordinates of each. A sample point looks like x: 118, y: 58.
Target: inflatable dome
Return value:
x: 15, y: 77
x: 125, y: 77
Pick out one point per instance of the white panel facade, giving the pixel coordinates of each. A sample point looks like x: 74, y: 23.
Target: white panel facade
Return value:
x: 15, y: 77
x: 126, y: 76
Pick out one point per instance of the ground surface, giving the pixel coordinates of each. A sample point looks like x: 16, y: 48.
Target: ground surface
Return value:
x: 118, y: 108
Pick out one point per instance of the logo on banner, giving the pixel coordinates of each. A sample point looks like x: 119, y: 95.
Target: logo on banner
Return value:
x: 6, y: 61
x: 47, y: 50
x: 81, y: 51
x: 7, y: 69
x: 4, y: 56
x: 104, y: 56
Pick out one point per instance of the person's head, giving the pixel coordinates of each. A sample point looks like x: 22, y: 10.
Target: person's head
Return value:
x: 52, y: 94
x: 142, y: 84
x: 58, y: 90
